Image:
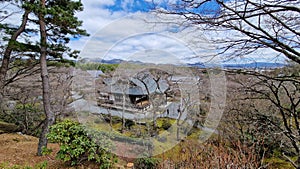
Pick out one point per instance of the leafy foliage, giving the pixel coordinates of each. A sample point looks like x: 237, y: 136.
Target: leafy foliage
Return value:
x: 61, y: 63
x: 78, y: 144
x: 166, y: 124
x: 62, y: 25
x: 26, y: 116
x: 129, y: 123
x: 146, y: 163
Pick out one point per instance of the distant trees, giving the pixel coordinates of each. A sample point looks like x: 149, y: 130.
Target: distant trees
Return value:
x: 106, y: 68
x: 240, y: 28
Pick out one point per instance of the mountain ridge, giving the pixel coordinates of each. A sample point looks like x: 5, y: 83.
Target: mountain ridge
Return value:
x: 202, y: 65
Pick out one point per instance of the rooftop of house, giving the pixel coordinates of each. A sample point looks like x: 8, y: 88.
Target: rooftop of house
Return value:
x: 135, y: 86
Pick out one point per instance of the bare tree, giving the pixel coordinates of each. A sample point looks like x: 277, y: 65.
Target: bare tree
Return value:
x: 188, y: 107
x: 152, y: 79
x: 24, y: 109
x: 239, y: 28
x: 269, y: 108
x: 61, y: 80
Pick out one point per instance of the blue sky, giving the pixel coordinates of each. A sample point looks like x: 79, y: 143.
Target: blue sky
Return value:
x: 102, y: 19
x: 126, y: 29
x: 146, y: 6
x: 130, y: 7
x: 99, y: 18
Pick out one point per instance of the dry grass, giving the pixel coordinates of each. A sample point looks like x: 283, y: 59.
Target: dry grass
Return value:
x: 20, y: 150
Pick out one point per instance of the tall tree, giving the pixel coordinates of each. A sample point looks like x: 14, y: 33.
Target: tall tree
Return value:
x: 50, y: 116
x: 239, y: 28
x: 57, y: 24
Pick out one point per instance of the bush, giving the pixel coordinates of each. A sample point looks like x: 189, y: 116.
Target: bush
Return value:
x: 166, y: 124
x: 27, y: 118
x: 129, y: 123
x: 146, y: 163
x: 114, y: 119
x: 77, y: 144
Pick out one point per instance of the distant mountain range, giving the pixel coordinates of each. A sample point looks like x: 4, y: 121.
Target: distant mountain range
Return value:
x: 241, y: 65
x: 118, y: 61
x: 114, y: 61
x: 252, y: 65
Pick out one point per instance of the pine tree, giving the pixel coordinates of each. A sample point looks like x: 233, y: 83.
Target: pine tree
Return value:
x: 58, y: 24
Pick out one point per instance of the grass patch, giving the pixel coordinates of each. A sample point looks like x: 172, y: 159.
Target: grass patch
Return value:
x: 276, y: 162
x: 42, y: 165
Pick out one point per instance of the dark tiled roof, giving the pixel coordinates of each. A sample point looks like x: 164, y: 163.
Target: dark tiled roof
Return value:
x: 136, y: 86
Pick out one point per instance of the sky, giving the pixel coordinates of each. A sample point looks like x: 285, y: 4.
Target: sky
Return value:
x: 128, y: 30
x: 121, y: 30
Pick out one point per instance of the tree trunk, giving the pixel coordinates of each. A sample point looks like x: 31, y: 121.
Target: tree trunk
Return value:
x: 298, y: 162
x: 178, y: 130
x: 179, y: 111
x: 123, y: 112
x: 50, y: 117
x: 7, y: 52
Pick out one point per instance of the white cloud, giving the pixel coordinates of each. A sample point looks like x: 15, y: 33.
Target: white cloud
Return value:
x: 132, y: 36
x: 119, y: 35
x: 94, y: 18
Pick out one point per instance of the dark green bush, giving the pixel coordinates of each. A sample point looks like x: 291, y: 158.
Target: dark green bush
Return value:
x: 78, y: 144
x: 26, y: 116
x: 114, y: 119
x: 146, y: 163
x: 166, y: 124
x: 129, y: 123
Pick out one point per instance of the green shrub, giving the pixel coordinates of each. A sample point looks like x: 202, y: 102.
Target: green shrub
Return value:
x: 78, y: 144
x: 146, y: 163
x: 129, y: 123
x: 166, y: 124
x: 114, y: 119
x: 26, y: 116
